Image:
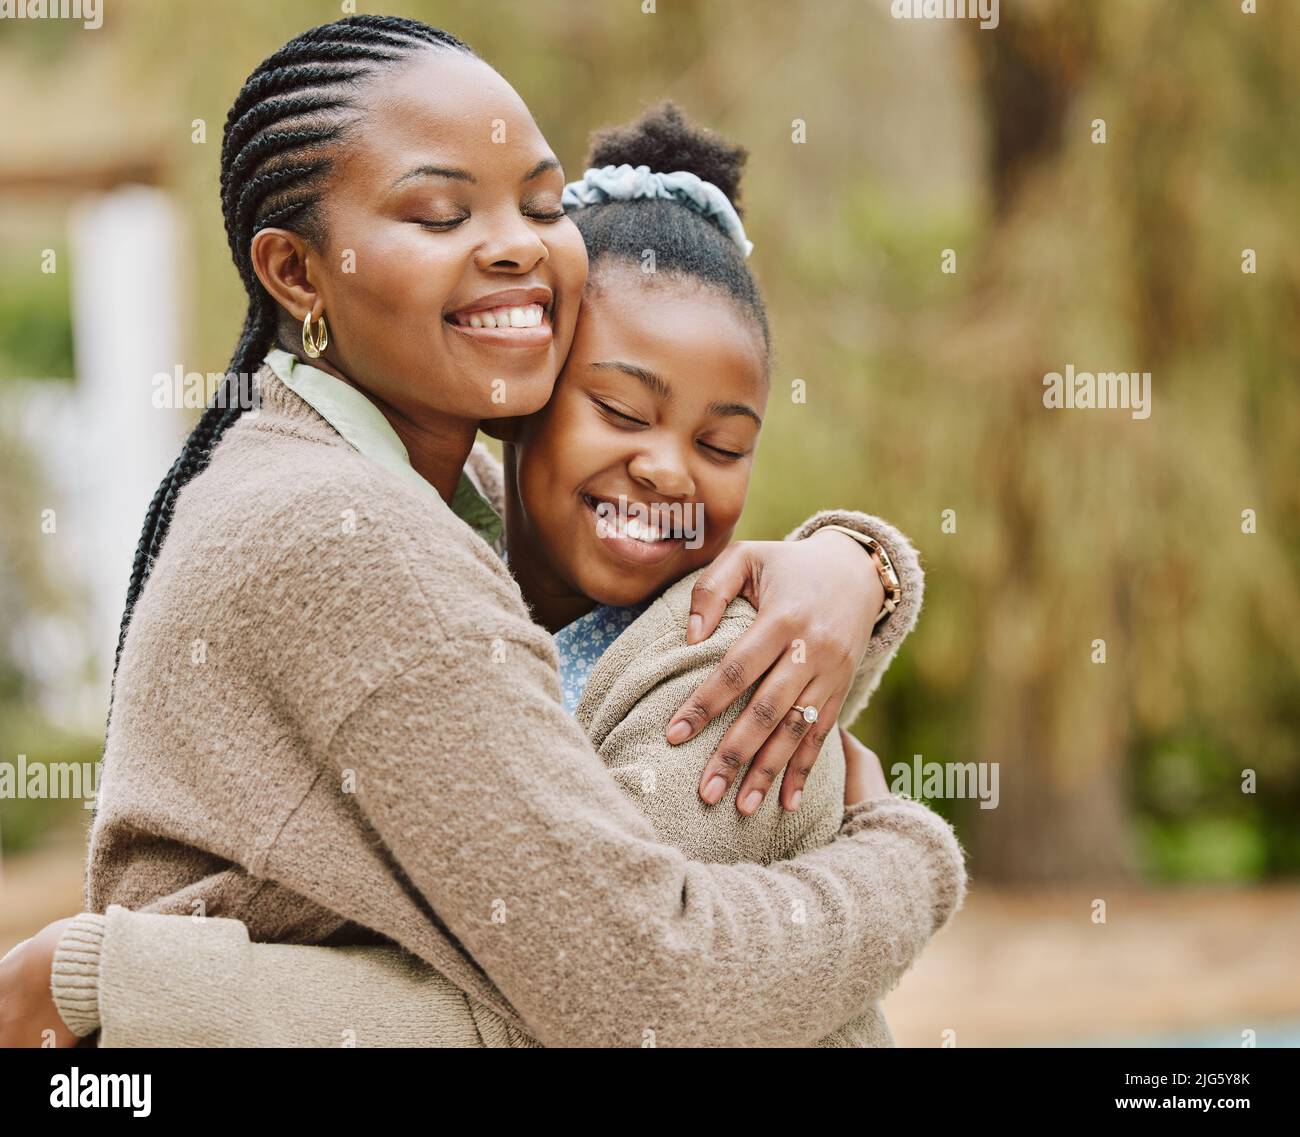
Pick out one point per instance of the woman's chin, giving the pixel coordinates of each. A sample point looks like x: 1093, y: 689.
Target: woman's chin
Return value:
x: 518, y: 397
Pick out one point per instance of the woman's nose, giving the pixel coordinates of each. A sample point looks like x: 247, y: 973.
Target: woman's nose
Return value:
x: 663, y: 469
x: 512, y: 245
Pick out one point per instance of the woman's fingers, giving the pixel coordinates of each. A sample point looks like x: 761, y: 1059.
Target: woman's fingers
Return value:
x: 766, y: 719
x: 809, y: 749
x: 745, y: 662
x: 864, y: 779
x: 774, y: 757
x: 717, y: 587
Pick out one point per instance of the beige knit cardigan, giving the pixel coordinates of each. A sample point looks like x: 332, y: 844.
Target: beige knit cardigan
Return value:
x: 336, y: 725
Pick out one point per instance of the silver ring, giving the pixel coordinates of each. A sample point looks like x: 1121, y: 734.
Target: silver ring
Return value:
x: 809, y: 714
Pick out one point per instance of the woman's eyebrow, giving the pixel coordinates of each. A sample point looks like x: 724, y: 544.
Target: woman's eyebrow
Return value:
x: 551, y: 163
x: 452, y: 172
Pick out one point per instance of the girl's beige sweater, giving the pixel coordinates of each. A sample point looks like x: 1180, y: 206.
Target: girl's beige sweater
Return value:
x: 335, y: 723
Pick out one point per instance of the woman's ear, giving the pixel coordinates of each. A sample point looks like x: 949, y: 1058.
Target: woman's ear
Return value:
x: 502, y: 429
x: 280, y: 261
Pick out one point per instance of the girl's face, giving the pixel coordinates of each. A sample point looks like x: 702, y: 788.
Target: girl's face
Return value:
x: 657, y: 410
x: 451, y: 278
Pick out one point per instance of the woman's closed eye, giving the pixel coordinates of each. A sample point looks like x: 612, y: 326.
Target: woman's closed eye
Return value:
x: 443, y: 224
x: 546, y: 210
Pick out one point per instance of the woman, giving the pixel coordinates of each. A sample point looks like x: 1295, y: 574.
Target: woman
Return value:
x: 361, y: 633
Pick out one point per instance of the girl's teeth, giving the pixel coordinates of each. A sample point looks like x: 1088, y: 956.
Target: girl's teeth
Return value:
x: 639, y: 532
x: 529, y: 316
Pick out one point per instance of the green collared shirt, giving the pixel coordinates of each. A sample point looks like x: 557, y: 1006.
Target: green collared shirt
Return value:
x: 364, y: 427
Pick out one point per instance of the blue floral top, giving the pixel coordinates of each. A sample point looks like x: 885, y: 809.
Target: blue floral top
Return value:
x: 584, y: 641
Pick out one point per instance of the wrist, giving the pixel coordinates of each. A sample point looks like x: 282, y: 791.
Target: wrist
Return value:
x: 74, y: 972
x: 885, y: 583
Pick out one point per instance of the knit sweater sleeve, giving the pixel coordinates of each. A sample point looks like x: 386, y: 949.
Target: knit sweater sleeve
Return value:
x: 149, y: 980
x: 893, y: 629
x: 557, y: 887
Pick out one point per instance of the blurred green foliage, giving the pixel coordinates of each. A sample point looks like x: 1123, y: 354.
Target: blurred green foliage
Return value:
x: 35, y: 319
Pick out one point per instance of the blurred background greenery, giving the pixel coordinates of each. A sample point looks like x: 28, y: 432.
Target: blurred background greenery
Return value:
x: 924, y: 387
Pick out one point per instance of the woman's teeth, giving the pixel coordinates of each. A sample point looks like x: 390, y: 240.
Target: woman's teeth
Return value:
x: 529, y: 316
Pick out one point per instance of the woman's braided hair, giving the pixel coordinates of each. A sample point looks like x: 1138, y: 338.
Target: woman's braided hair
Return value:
x: 276, y: 153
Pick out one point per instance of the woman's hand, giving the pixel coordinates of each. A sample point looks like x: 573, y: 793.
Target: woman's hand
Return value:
x: 27, y: 1009
x: 818, y: 601
x: 863, y: 777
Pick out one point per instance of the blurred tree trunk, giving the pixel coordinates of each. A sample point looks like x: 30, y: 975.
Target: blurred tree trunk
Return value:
x: 1062, y: 813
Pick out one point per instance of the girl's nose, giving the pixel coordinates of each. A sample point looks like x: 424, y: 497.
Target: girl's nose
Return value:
x: 663, y: 470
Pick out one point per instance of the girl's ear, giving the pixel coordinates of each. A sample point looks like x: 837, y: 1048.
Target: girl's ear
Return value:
x: 502, y: 429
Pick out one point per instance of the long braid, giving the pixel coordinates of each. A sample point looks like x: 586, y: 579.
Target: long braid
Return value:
x: 276, y: 152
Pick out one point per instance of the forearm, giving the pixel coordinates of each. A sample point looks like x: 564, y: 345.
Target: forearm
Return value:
x: 145, y: 979
x: 894, y: 628
x: 597, y: 933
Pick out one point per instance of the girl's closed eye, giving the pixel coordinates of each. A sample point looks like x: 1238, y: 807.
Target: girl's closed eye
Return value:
x: 620, y: 417
x: 723, y: 453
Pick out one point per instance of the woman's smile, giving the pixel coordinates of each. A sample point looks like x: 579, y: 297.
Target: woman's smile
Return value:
x: 516, y: 317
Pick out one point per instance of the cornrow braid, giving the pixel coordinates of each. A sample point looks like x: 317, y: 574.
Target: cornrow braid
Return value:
x: 277, y: 149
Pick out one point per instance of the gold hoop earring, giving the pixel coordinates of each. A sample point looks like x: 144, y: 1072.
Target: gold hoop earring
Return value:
x: 314, y: 345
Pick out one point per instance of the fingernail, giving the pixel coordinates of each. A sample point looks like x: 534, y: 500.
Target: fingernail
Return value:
x: 693, y: 627
x: 795, y: 800
x: 680, y: 731
x: 752, y: 801
x: 715, y: 789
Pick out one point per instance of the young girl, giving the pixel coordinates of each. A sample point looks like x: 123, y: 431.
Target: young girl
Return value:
x: 333, y: 717
x: 658, y: 410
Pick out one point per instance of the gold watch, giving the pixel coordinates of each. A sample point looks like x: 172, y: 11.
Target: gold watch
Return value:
x: 884, y: 566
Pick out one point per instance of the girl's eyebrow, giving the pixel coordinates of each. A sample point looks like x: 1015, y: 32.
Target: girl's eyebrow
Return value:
x: 455, y: 174
x: 735, y: 409
x: 661, y: 388
x: 648, y: 379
